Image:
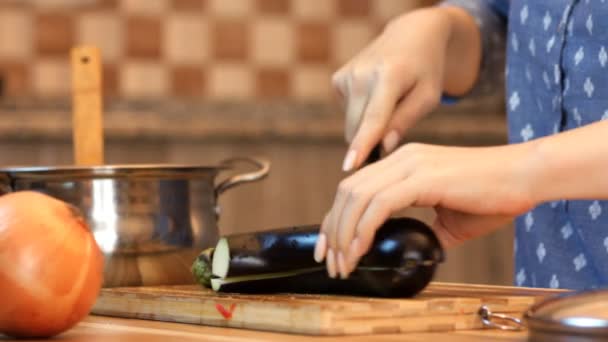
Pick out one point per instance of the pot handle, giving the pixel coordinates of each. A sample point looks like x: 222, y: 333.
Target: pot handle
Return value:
x: 5, y: 184
x: 263, y: 168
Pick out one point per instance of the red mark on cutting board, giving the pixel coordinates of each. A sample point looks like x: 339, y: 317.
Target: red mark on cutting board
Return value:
x: 226, y: 313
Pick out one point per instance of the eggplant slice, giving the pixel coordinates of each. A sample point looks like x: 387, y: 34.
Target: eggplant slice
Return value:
x: 400, y: 263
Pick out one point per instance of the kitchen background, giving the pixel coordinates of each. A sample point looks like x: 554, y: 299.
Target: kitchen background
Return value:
x: 198, y: 81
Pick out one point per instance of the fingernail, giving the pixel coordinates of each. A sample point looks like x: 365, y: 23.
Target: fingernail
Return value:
x: 342, y: 266
x: 331, y: 263
x: 353, y: 254
x: 390, y: 141
x: 320, y: 248
x: 349, y: 161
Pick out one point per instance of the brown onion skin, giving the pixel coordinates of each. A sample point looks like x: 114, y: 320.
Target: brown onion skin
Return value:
x: 51, y: 268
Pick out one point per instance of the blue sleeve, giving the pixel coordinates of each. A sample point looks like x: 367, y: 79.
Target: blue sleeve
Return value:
x: 491, y: 16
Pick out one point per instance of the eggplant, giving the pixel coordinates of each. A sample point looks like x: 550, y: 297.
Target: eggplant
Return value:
x: 401, y: 262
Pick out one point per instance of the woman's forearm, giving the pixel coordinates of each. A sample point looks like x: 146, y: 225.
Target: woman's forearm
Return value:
x: 570, y: 165
x: 463, y: 57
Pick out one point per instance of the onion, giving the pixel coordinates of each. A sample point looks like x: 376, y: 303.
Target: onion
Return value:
x: 51, y: 269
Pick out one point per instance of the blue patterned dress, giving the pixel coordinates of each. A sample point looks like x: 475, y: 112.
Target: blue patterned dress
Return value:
x: 556, y: 79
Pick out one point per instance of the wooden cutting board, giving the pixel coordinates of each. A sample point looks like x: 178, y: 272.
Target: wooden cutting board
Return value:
x: 440, y: 307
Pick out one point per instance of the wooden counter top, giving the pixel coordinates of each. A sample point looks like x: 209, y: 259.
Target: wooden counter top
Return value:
x: 97, y: 328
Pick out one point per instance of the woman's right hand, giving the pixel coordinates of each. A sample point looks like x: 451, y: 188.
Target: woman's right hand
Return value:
x: 400, y: 76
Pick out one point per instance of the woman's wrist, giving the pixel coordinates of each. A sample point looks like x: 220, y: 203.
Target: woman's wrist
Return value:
x: 436, y: 17
x: 530, y: 169
x: 455, y: 36
x: 463, y: 50
x: 570, y: 165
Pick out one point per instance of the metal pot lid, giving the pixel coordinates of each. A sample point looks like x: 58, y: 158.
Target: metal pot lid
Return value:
x: 580, y: 314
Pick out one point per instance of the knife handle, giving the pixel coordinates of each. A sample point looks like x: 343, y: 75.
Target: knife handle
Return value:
x: 374, y: 155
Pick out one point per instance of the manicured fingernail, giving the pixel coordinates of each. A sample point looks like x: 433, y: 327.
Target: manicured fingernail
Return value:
x: 320, y: 248
x: 390, y: 141
x: 342, y: 266
x: 349, y: 161
x: 353, y: 254
x: 331, y: 263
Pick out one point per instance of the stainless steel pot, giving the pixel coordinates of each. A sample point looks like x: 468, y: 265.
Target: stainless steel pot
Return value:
x: 576, y: 316
x: 150, y: 221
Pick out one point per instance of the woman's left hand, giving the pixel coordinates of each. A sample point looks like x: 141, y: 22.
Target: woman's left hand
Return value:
x: 473, y: 190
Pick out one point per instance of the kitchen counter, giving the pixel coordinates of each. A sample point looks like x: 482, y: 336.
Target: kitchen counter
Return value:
x: 161, y: 328
x: 97, y: 328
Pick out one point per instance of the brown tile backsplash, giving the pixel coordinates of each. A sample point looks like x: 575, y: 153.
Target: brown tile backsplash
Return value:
x: 54, y: 34
x: 187, y: 81
x: 14, y: 78
x: 211, y: 49
x: 143, y: 37
x: 230, y: 39
x: 356, y: 8
x: 313, y: 42
x: 273, y: 6
x: 188, y: 5
x: 272, y: 83
x: 107, y: 4
x: 110, y: 80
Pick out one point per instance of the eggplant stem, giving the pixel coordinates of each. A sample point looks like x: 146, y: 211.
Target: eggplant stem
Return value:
x: 201, y: 267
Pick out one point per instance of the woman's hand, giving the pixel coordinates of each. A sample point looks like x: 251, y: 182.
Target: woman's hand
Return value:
x: 473, y: 189
x: 400, y: 76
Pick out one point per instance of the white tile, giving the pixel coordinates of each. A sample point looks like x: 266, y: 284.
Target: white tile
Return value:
x: 16, y: 38
x: 143, y: 79
x: 231, y: 8
x: 146, y: 7
x: 106, y: 31
x: 51, y: 78
x: 186, y: 39
x: 387, y: 9
x: 230, y: 81
x: 273, y: 42
x: 349, y: 37
x: 312, y: 82
x: 313, y: 9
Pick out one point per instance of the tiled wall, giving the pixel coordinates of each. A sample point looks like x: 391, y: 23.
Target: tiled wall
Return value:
x: 207, y: 49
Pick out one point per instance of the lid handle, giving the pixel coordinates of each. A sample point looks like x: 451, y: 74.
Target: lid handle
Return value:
x: 488, y: 319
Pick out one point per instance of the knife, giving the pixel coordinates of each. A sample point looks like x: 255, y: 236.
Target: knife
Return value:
x: 374, y: 155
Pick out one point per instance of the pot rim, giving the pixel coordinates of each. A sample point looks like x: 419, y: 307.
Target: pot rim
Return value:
x: 110, y: 170
x: 10, y: 175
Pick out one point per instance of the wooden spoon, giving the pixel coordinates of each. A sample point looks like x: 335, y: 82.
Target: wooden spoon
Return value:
x: 87, y: 120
